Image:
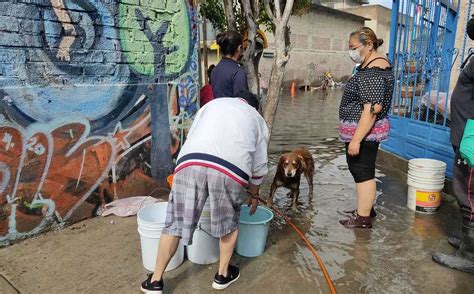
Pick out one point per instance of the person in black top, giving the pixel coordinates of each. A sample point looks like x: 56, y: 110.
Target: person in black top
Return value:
x: 462, y: 109
x: 228, y: 77
x: 364, y: 120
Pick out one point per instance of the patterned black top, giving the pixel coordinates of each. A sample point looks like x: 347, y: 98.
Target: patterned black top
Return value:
x: 368, y: 86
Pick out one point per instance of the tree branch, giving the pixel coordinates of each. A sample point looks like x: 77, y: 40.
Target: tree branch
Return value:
x: 269, y: 11
x: 277, y: 10
x: 287, y: 12
x: 256, y: 9
x: 229, y: 15
x: 249, y: 54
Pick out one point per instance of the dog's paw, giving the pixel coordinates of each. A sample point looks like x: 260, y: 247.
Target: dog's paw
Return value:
x: 269, y: 203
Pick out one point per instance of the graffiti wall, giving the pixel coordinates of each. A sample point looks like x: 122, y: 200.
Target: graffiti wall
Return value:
x: 95, y: 100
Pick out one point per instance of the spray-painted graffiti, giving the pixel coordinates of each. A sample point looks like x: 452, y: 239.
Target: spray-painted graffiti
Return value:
x: 46, y: 175
x: 95, y: 101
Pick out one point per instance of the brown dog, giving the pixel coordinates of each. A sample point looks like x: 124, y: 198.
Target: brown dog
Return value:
x: 288, y: 175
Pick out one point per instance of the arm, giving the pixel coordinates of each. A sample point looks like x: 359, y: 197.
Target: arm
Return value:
x: 260, y: 158
x: 240, y: 82
x: 259, y: 167
x: 371, y: 97
x: 366, y: 121
x: 364, y: 126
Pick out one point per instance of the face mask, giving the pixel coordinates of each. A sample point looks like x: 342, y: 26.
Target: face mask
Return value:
x: 355, y: 56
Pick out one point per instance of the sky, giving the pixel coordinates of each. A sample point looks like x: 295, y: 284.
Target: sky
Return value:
x: 386, y: 3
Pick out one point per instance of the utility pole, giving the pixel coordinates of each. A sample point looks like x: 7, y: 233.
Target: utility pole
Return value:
x: 204, y: 49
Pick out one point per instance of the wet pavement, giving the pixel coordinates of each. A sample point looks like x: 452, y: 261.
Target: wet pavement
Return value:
x: 102, y: 255
x: 393, y: 257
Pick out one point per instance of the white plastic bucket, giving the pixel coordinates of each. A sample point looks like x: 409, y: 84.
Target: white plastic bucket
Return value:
x: 151, y: 221
x: 426, y: 179
x: 422, y: 181
x: 205, y: 248
x: 426, y: 164
x: 426, y: 174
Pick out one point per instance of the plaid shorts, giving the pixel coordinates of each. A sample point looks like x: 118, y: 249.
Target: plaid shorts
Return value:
x: 191, y: 188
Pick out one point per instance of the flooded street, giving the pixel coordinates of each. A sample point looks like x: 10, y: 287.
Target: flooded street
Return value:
x: 393, y: 257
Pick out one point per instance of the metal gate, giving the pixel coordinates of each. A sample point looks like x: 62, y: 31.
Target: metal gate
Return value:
x: 422, y: 53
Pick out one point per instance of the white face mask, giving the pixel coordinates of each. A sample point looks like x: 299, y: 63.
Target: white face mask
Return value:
x: 355, y: 56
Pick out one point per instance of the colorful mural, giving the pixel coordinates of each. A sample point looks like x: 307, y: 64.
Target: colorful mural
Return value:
x: 95, y: 100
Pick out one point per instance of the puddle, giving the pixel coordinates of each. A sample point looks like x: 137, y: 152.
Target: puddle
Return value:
x: 395, y: 256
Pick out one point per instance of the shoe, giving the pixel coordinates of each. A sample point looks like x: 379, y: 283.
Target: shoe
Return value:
x: 221, y: 282
x: 463, y: 259
x: 155, y: 287
x: 359, y: 222
x: 455, y: 242
x: 353, y: 212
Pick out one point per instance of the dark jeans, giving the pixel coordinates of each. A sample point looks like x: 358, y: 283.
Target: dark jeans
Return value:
x: 362, y: 167
x: 463, y: 186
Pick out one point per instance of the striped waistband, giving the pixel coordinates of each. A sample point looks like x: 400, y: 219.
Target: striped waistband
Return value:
x: 214, y: 162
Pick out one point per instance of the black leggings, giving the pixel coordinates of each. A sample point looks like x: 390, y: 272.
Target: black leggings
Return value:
x: 362, y: 167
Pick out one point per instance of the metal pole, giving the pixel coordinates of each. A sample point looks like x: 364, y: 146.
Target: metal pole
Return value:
x: 204, y: 49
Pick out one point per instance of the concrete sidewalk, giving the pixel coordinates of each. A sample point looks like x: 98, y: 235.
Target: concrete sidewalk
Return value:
x: 102, y: 255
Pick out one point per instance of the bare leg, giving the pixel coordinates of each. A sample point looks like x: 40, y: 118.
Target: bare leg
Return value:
x: 166, y: 250
x: 366, y: 192
x: 226, y: 245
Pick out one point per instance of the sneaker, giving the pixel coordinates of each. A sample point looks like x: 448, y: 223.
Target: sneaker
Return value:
x: 155, y: 287
x: 359, y: 222
x: 221, y: 282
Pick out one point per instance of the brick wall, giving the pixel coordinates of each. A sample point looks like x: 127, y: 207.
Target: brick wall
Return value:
x: 94, y: 99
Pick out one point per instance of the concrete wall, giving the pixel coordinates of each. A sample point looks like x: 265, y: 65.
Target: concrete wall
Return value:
x: 76, y: 81
x: 341, y: 4
x: 319, y: 42
x: 379, y: 21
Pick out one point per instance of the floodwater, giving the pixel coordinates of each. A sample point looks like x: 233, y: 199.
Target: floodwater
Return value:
x: 393, y: 257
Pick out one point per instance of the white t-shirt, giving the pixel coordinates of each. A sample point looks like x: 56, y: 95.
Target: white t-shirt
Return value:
x: 228, y: 135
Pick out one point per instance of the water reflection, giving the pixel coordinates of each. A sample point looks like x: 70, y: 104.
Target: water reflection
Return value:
x: 394, y: 257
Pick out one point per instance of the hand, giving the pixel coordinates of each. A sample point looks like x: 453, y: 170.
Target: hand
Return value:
x: 254, y: 192
x: 253, y: 205
x: 253, y: 189
x: 353, y: 148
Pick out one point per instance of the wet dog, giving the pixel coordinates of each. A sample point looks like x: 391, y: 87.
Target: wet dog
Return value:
x: 290, y: 168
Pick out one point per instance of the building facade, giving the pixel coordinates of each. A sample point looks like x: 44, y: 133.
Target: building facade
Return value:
x: 319, y: 43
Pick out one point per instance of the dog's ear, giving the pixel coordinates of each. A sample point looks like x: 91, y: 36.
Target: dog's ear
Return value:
x: 302, y: 162
x: 282, y: 159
